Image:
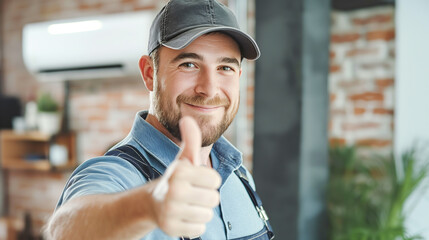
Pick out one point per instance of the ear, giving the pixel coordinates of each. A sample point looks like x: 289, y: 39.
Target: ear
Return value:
x: 147, y: 71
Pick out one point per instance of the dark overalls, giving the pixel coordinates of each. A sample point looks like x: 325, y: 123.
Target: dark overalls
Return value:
x: 132, y: 155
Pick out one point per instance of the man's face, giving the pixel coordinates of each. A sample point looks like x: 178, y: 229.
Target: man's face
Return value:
x: 202, y: 81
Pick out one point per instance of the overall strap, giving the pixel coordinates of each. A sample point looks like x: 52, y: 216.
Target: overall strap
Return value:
x: 133, y: 156
x: 241, y: 173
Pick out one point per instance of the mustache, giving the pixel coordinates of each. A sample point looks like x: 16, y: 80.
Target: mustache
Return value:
x: 201, y: 100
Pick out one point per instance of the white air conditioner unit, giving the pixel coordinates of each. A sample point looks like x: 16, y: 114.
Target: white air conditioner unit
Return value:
x: 87, y: 48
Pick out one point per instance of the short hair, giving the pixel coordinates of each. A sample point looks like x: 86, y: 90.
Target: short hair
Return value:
x: 155, y: 59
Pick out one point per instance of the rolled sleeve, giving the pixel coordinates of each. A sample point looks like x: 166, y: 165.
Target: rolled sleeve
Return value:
x: 101, y: 175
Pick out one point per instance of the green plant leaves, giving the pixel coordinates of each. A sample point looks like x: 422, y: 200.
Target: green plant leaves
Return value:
x: 45, y: 103
x: 365, y: 196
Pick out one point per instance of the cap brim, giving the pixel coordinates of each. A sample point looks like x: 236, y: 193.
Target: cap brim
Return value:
x: 249, y: 48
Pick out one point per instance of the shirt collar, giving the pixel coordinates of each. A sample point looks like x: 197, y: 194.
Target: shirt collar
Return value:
x: 152, y: 140
x: 225, y: 151
x: 165, y: 150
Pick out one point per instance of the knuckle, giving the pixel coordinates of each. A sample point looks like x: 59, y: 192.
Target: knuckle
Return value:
x: 215, y: 178
x: 174, y: 190
x: 201, y: 229
x: 181, y: 171
x: 177, y: 190
x: 195, y: 230
x: 214, y: 199
x: 208, y: 215
x: 218, y: 180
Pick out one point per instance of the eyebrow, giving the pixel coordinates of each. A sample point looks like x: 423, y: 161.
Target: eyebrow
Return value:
x: 229, y: 60
x: 186, y: 55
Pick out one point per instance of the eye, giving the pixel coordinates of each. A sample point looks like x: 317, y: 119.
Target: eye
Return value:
x: 187, y: 65
x: 226, y: 68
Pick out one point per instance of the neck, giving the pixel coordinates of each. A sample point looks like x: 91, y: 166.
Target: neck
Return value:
x: 205, y: 151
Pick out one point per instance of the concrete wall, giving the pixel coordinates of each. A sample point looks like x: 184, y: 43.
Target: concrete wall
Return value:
x: 412, y: 99
x: 291, y: 114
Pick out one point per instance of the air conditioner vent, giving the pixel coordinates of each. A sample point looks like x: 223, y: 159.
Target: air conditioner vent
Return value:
x: 96, y: 47
x: 80, y: 68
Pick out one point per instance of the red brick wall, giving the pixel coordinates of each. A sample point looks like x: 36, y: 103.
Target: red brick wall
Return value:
x: 101, y: 111
x: 34, y: 192
x: 361, y: 80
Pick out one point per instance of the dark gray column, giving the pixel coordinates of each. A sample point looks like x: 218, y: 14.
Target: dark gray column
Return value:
x: 291, y: 109
x: 1, y: 47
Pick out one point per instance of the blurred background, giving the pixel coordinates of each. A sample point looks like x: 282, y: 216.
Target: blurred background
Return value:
x: 332, y: 121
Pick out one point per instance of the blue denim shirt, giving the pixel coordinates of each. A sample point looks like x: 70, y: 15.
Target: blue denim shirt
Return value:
x: 235, y: 216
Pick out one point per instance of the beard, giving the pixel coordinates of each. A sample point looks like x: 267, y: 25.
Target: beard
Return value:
x: 169, y: 115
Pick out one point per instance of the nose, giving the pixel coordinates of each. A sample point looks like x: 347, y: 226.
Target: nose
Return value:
x: 207, y: 84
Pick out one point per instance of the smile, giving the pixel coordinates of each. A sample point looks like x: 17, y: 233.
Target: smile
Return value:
x: 204, y: 108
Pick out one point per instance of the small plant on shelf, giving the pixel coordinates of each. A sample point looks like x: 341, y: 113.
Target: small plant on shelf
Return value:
x: 46, y: 103
x: 49, y: 117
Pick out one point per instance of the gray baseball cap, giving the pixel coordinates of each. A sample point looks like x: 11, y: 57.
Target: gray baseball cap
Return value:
x: 182, y: 21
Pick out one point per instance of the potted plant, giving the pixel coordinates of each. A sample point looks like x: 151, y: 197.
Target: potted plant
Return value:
x: 48, y: 115
x: 366, y: 198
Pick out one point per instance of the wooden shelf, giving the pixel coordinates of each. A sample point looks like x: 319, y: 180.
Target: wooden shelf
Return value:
x: 21, y: 164
x: 42, y: 165
x: 26, y: 136
x: 16, y: 147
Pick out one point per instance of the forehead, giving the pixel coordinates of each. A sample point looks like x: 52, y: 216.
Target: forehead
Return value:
x: 215, y: 43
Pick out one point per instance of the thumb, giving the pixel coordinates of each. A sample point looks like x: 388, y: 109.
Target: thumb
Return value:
x: 191, y: 140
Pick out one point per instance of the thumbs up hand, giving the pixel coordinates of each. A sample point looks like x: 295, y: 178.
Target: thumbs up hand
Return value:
x: 187, y: 193
x: 191, y: 140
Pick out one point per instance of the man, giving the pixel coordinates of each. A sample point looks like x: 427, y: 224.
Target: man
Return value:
x: 192, y: 74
